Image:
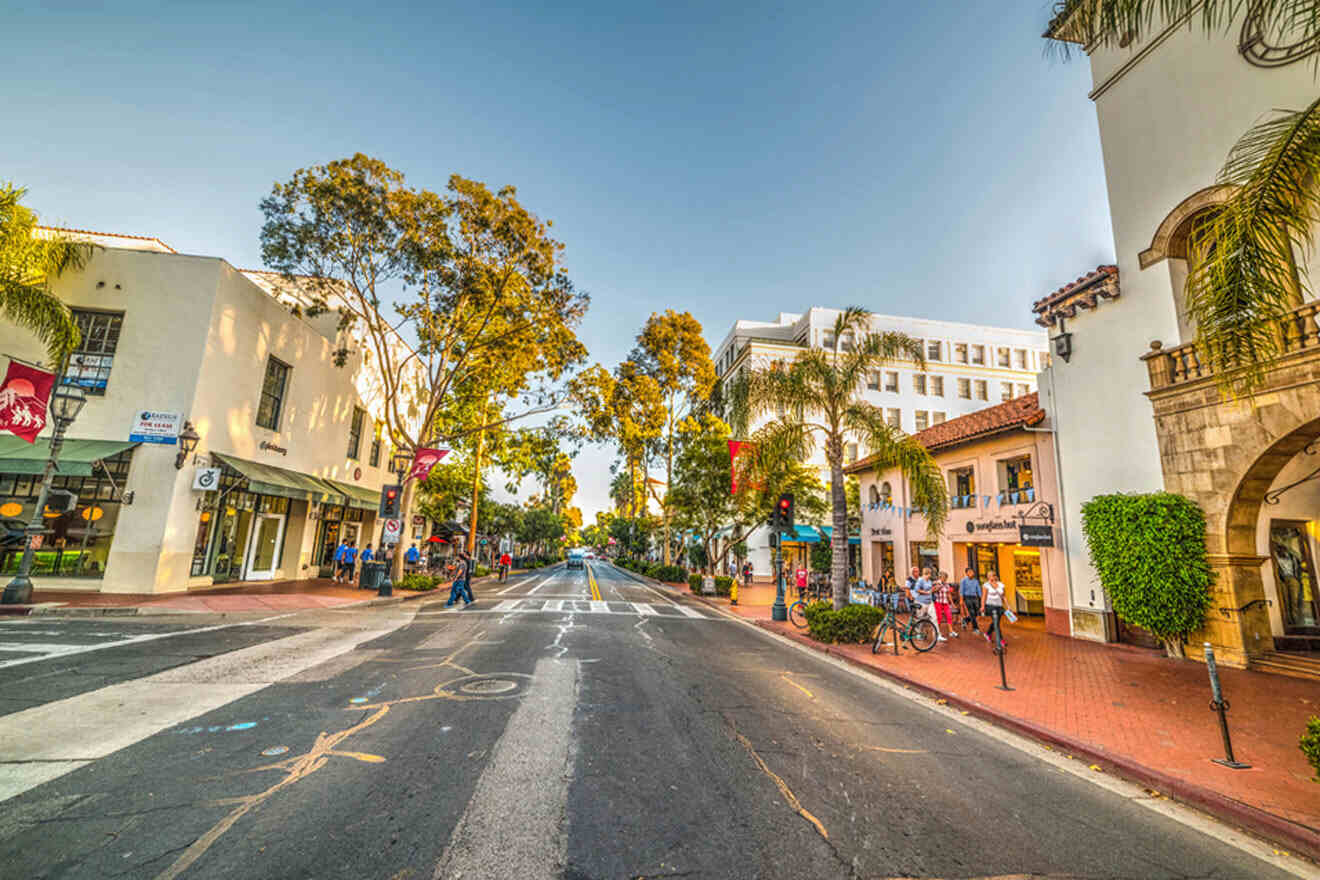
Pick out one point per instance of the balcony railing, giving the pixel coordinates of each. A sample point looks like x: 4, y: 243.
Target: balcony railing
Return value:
x: 1298, y: 331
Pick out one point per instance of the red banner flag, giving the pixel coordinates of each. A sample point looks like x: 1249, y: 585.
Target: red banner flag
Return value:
x: 24, y: 397
x: 735, y: 447
x: 424, y: 460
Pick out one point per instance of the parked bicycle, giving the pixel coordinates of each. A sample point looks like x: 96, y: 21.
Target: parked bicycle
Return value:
x: 918, y: 631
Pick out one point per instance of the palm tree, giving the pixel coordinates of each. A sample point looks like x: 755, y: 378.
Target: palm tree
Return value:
x: 1244, y: 280
x: 29, y: 261
x: 814, y: 400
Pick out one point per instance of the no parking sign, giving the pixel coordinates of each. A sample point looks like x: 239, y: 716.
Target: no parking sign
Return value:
x: 391, y: 531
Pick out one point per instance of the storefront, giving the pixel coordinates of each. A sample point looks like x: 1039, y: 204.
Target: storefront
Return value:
x: 77, y: 543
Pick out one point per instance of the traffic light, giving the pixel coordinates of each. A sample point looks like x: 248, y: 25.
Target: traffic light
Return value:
x: 389, y: 501
x: 784, y: 513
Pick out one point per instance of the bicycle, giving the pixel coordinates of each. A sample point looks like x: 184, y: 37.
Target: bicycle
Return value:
x: 797, y: 613
x: 919, y: 632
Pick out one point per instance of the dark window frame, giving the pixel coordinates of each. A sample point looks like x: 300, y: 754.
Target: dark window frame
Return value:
x: 278, y: 398
x: 106, y: 346
x: 355, y: 432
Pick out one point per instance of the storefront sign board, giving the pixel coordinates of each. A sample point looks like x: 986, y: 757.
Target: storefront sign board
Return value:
x: 206, y: 479
x: 1036, y: 536
x: 150, y: 426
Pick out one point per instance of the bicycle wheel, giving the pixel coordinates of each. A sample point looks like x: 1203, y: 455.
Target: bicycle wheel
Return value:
x: 880, y: 635
x: 797, y: 614
x: 923, y: 635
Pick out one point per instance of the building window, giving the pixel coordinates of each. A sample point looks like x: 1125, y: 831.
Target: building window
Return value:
x: 891, y: 381
x: 375, y: 446
x: 1016, y: 483
x: 937, y: 418
x: 271, y: 405
x: 1044, y: 358
x: 919, y: 383
x: 937, y: 386
x: 978, y: 354
x: 846, y: 342
x: 934, y: 350
x: 1005, y: 391
x: 850, y: 453
x: 965, y: 389
x: 355, y: 432
x: 894, y: 417
x: 874, y: 495
x: 1003, y: 357
x: 886, y: 492
x: 1023, y: 390
x: 960, y: 352
x: 962, y: 483
x: 982, y: 391
x: 873, y: 382
x: 89, y: 363
x: 1020, y: 358
x: 922, y: 419
x: 827, y: 340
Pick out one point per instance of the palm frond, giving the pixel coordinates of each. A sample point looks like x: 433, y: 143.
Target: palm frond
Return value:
x: 29, y: 262
x: 1245, y: 277
x: 891, y: 448
x: 1119, y: 23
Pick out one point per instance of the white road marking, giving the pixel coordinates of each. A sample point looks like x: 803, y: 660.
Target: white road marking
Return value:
x: 599, y: 607
x: 51, y: 648
x: 44, y: 742
x: 514, y: 586
x: 524, y: 787
x: 517, y: 607
x: 137, y: 640
x: 642, y: 608
x: 507, y: 605
x: 550, y: 579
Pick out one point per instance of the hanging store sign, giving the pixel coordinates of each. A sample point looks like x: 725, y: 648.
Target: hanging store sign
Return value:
x: 882, y: 532
x: 23, y: 399
x: 1036, y: 536
x: 206, y: 479
x: 423, y: 460
x: 150, y: 426
x: 991, y: 525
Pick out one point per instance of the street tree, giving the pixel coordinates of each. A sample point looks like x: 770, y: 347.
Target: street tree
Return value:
x: 672, y: 351
x: 627, y: 408
x: 699, y: 496
x: 541, y: 527
x: 814, y: 399
x: 1245, y: 273
x: 30, y: 259
x: 441, y: 293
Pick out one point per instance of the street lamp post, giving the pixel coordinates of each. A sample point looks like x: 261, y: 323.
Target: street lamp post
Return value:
x: 65, y: 404
x: 779, y: 611
x: 400, y: 461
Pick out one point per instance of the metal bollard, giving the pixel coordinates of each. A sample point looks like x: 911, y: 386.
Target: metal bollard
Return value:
x: 1220, y: 705
x: 999, y: 649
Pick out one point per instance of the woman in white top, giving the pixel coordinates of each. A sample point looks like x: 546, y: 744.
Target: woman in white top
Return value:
x: 994, y: 603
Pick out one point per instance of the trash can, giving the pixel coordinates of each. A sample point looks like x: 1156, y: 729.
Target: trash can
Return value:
x: 373, y: 575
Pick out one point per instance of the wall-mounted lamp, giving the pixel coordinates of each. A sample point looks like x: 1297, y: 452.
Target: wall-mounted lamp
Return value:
x: 188, y: 440
x: 1063, y: 346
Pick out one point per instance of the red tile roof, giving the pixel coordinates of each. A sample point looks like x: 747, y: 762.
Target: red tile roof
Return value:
x: 1020, y: 412
x: 1088, y: 280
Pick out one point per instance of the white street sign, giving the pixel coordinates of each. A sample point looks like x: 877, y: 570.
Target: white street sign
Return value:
x: 155, y: 427
x: 391, y: 531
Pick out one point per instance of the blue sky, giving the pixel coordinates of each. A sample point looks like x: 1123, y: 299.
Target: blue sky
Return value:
x: 733, y: 160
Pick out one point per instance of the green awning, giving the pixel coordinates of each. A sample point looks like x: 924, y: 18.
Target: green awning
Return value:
x: 358, y: 496
x: 828, y: 532
x: 267, y: 479
x: 17, y: 456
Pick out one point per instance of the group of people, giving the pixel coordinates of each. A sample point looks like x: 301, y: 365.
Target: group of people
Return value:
x: 347, y: 556
x: 929, y: 593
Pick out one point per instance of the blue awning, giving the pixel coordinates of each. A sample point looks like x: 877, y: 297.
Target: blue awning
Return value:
x: 804, y: 535
x: 828, y: 532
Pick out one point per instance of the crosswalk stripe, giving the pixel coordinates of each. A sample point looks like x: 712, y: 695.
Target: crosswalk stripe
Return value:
x: 642, y: 608
x: 584, y: 606
x: 42, y: 648
x: 689, y: 612
x: 507, y: 605
x: 599, y: 607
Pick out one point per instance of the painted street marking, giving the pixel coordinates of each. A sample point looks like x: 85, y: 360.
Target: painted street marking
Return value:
x: 642, y: 608
x: 599, y: 607
x: 514, y: 607
x: 689, y: 612
x: 46, y: 648
x: 507, y: 605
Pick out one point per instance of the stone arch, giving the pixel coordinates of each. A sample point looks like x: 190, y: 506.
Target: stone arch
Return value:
x: 1240, y: 519
x: 1172, y: 231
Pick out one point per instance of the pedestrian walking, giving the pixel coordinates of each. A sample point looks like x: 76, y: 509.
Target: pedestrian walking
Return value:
x: 747, y: 573
x: 506, y: 562
x: 411, y: 558
x: 994, y: 605
x: 341, y: 553
x: 942, y: 594
x: 800, y: 581
x: 969, y: 588
x: 350, y: 562
x: 367, y: 555
x: 462, y: 582
x: 924, y: 595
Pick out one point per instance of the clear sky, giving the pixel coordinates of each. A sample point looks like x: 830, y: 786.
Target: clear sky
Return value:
x: 732, y: 160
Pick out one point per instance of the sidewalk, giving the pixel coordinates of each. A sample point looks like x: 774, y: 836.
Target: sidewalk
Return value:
x: 262, y: 596
x: 1143, y: 715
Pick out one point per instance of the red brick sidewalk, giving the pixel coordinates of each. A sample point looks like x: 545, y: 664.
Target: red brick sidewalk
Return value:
x: 1139, y: 712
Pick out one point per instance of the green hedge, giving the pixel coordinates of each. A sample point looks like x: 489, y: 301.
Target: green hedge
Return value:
x: 852, y: 624
x: 694, y: 582
x: 1310, y: 745
x: 723, y: 585
x: 1149, y: 551
x: 418, y: 582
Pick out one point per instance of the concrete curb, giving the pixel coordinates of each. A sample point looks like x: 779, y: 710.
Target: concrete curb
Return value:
x: 1298, y: 839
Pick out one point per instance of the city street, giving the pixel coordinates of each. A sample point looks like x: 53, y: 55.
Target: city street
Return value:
x: 569, y: 724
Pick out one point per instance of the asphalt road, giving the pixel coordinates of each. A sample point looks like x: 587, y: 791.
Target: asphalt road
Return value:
x: 555, y: 729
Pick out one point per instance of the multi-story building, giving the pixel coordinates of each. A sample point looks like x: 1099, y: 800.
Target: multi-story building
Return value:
x: 968, y: 367
x: 300, y: 453
x: 1171, y: 105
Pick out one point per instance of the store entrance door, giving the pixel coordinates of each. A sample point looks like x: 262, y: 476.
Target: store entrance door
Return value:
x: 263, y: 552
x: 1294, y: 576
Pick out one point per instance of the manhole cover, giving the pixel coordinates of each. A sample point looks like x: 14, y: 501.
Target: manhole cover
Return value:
x: 488, y: 686
x: 274, y: 750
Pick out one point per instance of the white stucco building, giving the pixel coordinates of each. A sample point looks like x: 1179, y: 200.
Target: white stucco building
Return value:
x: 968, y: 367
x: 297, y: 439
x: 1170, y: 108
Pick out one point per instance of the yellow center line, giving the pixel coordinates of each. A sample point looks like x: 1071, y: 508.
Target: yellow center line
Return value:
x: 785, y: 677
x: 595, y: 588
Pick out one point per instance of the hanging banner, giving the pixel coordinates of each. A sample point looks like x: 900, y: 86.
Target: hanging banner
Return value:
x: 735, y: 447
x: 24, y: 397
x: 424, y: 460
